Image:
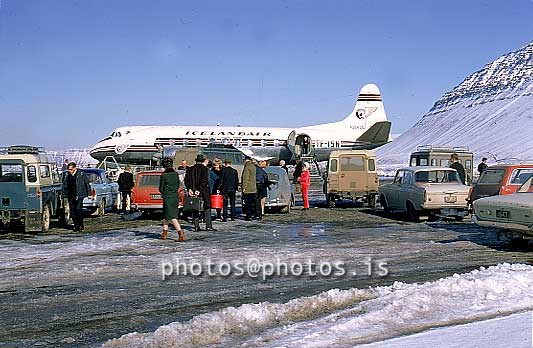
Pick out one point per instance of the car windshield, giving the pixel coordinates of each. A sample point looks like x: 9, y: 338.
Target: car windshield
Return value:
x: 527, y: 187
x: 11, y: 173
x: 446, y: 176
x: 491, y: 176
x: 149, y: 180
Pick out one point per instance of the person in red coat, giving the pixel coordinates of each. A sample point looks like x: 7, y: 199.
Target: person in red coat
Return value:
x: 305, y: 181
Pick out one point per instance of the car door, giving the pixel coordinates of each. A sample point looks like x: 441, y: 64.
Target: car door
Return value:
x: 106, y: 189
x: 394, y: 191
x: 406, y: 192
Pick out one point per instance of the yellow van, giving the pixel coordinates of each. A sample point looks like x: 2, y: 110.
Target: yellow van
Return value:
x: 351, y: 174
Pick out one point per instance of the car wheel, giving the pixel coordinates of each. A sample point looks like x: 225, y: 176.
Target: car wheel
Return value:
x: 46, y: 218
x: 64, y: 216
x: 412, y: 213
x: 386, y: 208
x: 330, y: 200
x: 371, y: 201
x: 101, y: 207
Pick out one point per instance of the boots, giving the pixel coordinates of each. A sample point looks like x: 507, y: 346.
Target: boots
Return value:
x: 164, y: 234
x: 181, y: 236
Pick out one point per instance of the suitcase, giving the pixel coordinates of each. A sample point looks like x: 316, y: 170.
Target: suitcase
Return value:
x: 193, y: 204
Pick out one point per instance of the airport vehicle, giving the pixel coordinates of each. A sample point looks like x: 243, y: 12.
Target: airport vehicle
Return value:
x: 280, y: 195
x: 513, y: 212
x: 30, y: 188
x: 428, y: 191
x: 366, y: 127
x: 351, y: 174
x: 435, y: 156
x: 145, y: 195
x: 501, y: 179
x: 104, y: 193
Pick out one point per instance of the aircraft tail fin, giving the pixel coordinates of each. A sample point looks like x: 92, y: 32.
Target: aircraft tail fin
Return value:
x: 368, y: 109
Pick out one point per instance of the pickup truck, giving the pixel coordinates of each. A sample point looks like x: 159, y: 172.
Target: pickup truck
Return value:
x: 30, y: 189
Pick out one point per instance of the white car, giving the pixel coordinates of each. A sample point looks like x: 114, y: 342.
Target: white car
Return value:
x: 426, y: 191
x: 512, y: 212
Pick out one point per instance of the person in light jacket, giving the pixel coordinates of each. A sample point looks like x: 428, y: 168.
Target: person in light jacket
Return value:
x: 249, y: 188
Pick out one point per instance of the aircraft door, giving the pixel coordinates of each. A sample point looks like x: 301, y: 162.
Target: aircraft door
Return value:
x: 291, y: 145
x: 303, y: 145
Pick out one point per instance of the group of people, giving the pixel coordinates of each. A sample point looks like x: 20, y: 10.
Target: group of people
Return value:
x: 202, y: 180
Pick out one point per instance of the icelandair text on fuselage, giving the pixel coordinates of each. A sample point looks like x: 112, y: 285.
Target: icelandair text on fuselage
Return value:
x: 264, y: 269
x: 226, y: 133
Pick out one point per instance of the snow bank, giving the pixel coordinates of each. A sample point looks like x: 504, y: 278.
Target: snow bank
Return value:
x: 344, y: 318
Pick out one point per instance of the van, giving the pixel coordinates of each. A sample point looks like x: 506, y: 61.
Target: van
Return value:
x: 30, y: 188
x: 351, y: 174
x: 439, y: 156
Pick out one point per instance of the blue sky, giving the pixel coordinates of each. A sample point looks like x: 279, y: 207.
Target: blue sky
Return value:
x: 72, y: 71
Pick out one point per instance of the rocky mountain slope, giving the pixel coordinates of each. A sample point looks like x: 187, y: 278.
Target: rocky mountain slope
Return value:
x: 490, y: 112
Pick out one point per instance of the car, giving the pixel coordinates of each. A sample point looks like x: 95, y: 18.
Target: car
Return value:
x: 425, y: 190
x: 145, y: 195
x: 280, y: 195
x: 502, y: 179
x: 351, y: 174
x: 512, y: 212
x: 104, y: 193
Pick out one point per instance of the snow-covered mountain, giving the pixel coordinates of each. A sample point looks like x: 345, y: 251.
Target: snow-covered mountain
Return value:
x: 490, y: 112
x: 80, y: 156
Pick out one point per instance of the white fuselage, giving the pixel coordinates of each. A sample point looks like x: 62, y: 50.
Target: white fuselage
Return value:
x: 138, y: 144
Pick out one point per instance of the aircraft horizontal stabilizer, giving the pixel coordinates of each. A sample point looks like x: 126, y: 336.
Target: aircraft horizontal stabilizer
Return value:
x: 378, y: 134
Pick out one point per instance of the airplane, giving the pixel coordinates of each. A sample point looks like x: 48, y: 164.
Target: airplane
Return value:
x: 366, y: 127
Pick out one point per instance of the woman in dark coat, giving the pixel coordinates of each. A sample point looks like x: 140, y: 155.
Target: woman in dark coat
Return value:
x: 169, y: 186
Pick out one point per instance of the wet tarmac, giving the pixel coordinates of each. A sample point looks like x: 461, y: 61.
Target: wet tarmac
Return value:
x: 66, y: 289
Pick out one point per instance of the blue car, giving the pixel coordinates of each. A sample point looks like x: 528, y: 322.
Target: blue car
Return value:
x: 104, y: 193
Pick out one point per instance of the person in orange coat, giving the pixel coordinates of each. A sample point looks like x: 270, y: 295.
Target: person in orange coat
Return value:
x: 305, y: 181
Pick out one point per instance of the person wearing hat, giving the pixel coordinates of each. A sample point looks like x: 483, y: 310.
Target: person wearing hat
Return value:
x: 168, y: 186
x: 125, y: 184
x: 482, y: 166
x: 197, y: 182
x: 305, y: 181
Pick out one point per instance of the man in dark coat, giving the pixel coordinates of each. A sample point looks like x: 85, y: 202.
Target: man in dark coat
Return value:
x: 482, y: 166
x: 76, y: 187
x: 125, y: 184
x: 455, y: 164
x: 228, y: 187
x: 197, y: 183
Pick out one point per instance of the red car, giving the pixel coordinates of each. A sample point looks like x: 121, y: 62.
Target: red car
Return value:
x: 145, y: 195
x: 501, y: 179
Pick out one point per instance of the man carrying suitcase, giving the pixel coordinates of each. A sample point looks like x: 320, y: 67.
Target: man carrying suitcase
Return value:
x: 197, y: 183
